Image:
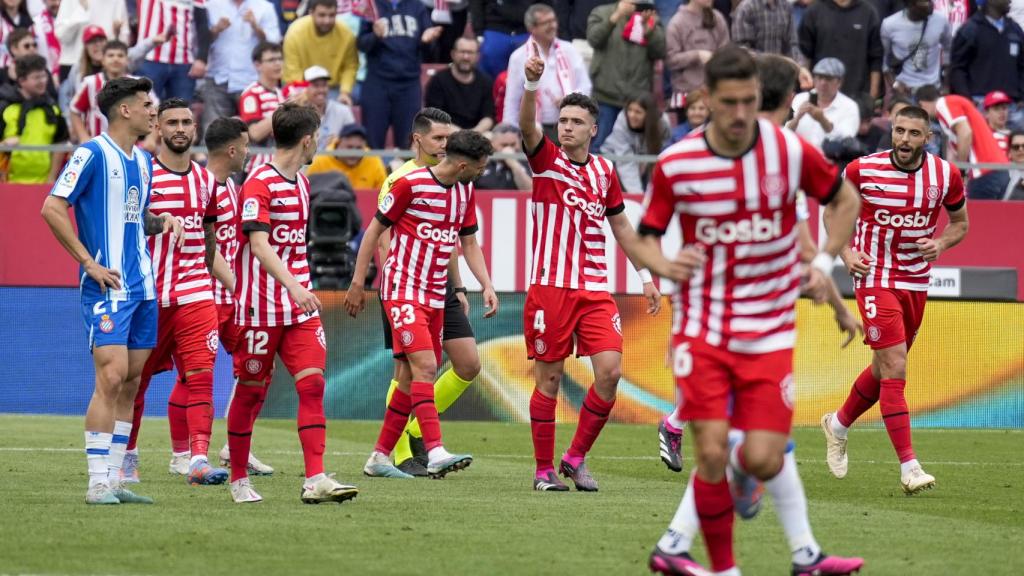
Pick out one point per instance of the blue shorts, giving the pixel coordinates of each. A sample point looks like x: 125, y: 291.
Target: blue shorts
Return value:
x: 131, y: 324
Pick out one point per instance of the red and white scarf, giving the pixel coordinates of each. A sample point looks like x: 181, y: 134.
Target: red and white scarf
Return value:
x: 365, y: 9
x: 45, y: 32
x: 563, y: 70
x: 635, y: 31
x: 441, y: 13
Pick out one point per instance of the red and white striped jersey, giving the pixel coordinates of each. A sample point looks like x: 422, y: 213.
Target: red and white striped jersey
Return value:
x: 426, y: 218
x: 176, y: 18
x: 84, y: 102
x: 742, y: 212
x: 5, y: 31
x: 226, y: 227
x: 181, y: 273
x: 256, y: 103
x: 278, y: 206
x: 897, y: 209
x: 570, y: 202
x: 953, y: 109
x: 1002, y: 140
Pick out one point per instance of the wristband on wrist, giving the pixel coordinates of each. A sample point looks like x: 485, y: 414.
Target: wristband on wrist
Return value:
x: 823, y: 262
x: 531, y: 86
x: 645, y: 275
x: 460, y: 290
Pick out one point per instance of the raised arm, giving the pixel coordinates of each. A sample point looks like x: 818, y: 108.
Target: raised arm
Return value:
x: 528, y: 106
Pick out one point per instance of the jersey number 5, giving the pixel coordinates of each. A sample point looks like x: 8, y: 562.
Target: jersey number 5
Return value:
x: 398, y: 312
x: 257, y: 342
x: 870, y: 309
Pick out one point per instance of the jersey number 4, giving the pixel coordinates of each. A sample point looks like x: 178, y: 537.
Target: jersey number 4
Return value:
x: 538, y: 321
x: 403, y: 315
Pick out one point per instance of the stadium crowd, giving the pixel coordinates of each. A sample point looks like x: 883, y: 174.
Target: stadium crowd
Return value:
x: 368, y: 66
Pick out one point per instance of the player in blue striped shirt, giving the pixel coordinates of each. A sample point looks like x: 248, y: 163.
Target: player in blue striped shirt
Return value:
x: 107, y: 181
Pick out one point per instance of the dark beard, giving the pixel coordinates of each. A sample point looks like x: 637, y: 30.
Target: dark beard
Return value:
x: 176, y: 149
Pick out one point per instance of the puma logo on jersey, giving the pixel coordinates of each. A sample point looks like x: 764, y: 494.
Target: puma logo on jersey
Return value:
x: 913, y: 220
x: 756, y: 229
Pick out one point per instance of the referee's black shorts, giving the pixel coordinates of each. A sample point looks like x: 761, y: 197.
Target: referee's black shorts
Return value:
x: 456, y: 323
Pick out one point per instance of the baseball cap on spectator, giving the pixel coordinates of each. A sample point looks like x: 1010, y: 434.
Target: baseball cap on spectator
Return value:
x: 316, y: 73
x: 352, y: 129
x: 997, y: 97
x: 92, y: 33
x: 831, y: 67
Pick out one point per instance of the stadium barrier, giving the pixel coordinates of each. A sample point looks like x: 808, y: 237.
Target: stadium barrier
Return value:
x: 966, y: 369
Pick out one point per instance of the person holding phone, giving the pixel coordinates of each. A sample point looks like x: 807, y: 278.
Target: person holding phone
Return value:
x: 825, y: 113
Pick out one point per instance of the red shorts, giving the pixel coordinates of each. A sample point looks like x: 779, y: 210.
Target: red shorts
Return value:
x: 414, y: 327
x: 890, y: 316
x: 187, y: 337
x: 554, y: 319
x: 300, y: 346
x: 759, y: 387
x: 230, y: 333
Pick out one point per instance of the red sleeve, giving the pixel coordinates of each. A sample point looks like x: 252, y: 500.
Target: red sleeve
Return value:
x: 469, y: 223
x: 542, y: 156
x: 659, y: 204
x: 249, y: 108
x: 819, y: 178
x: 211, y: 204
x: 395, y: 202
x: 80, y: 103
x: 613, y: 200
x: 955, y: 198
x: 852, y: 173
x: 255, y: 199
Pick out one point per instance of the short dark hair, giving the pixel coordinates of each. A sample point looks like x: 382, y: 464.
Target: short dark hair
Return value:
x: 115, y: 45
x: 28, y: 64
x: 171, y: 104
x: 264, y: 47
x: 314, y: 4
x: 16, y: 36
x: 730, y: 62
x: 119, y: 89
x: 1014, y: 134
x: 927, y: 93
x: 469, y: 144
x: 223, y: 131
x: 581, y: 100
x: 915, y: 113
x: 780, y: 79
x: 292, y: 122
x: 428, y: 116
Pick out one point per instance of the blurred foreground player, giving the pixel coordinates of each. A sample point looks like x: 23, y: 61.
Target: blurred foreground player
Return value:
x: 568, y: 304
x: 902, y: 190
x: 107, y: 180
x: 734, y: 187
x: 276, y: 311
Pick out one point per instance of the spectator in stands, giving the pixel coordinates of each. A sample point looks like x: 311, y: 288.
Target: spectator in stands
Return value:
x: 30, y: 117
x: 90, y: 61
x: 869, y: 133
x: 971, y: 138
x: 564, y: 72
x: 988, y: 54
x: 13, y: 15
x: 847, y: 30
x: 462, y: 90
x: 693, y: 34
x: 915, y: 43
x: 510, y: 173
x: 86, y: 119
x: 259, y: 100
x: 500, y: 28
x: 640, y: 129
x: 626, y: 44
x: 320, y: 39
x: 366, y: 173
x: 394, y: 45
x: 333, y: 114
x: 175, y: 65
x: 573, y: 15
x: 22, y: 42
x: 74, y: 16
x: 896, y: 104
x: 46, y: 35
x: 825, y: 113
x: 1015, y: 186
x: 997, y: 114
x: 236, y: 27
x: 693, y: 113
x: 767, y: 27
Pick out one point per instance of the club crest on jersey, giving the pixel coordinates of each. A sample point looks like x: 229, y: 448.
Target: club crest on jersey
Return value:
x: 386, y: 202
x: 462, y: 210
x: 133, y: 207
x: 602, y: 184
x: 253, y: 366
x: 406, y: 337
x: 773, y: 186
x: 321, y: 338
x: 617, y: 323
x: 251, y: 209
x: 874, y: 333
x: 788, y: 390
x: 106, y: 324
x: 213, y: 340
x: 540, y: 346
x: 933, y: 193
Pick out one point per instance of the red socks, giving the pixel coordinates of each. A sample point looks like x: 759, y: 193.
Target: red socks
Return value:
x: 241, y: 416
x: 140, y: 406
x: 863, y: 395
x: 542, y: 428
x: 395, y: 419
x: 426, y: 413
x: 896, y: 417
x: 200, y: 411
x: 312, y: 424
x: 593, y: 416
x: 715, y: 510
x: 177, y: 416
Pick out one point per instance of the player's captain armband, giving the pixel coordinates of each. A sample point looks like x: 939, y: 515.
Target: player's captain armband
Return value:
x: 251, y: 209
x: 386, y: 202
x: 68, y: 179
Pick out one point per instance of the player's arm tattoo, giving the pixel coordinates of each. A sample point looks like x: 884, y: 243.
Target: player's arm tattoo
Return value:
x: 210, y: 236
x: 153, y: 224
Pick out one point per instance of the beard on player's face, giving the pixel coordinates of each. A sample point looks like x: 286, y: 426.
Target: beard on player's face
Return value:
x: 176, y: 147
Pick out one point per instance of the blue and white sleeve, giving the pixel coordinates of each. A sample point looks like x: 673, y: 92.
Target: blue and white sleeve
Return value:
x: 75, y: 176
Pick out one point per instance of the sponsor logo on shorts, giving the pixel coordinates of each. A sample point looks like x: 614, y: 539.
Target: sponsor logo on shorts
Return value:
x: 617, y: 323
x: 213, y: 340
x: 788, y: 390
x: 874, y: 333
x: 406, y: 337
x: 321, y: 338
x: 106, y: 324
x: 250, y: 209
x: 253, y: 366
x: 540, y: 346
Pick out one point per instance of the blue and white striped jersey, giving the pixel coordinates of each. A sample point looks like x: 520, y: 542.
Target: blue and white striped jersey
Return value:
x: 110, y: 193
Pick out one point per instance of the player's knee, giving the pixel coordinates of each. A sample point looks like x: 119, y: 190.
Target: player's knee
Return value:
x: 893, y: 366
x: 764, y: 465
x: 608, y: 378
x: 110, y: 378
x: 468, y: 368
x: 711, y: 460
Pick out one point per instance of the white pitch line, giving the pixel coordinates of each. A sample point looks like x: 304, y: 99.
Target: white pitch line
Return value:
x: 530, y: 457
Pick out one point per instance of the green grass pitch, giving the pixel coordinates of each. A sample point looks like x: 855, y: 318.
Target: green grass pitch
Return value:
x: 486, y: 520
